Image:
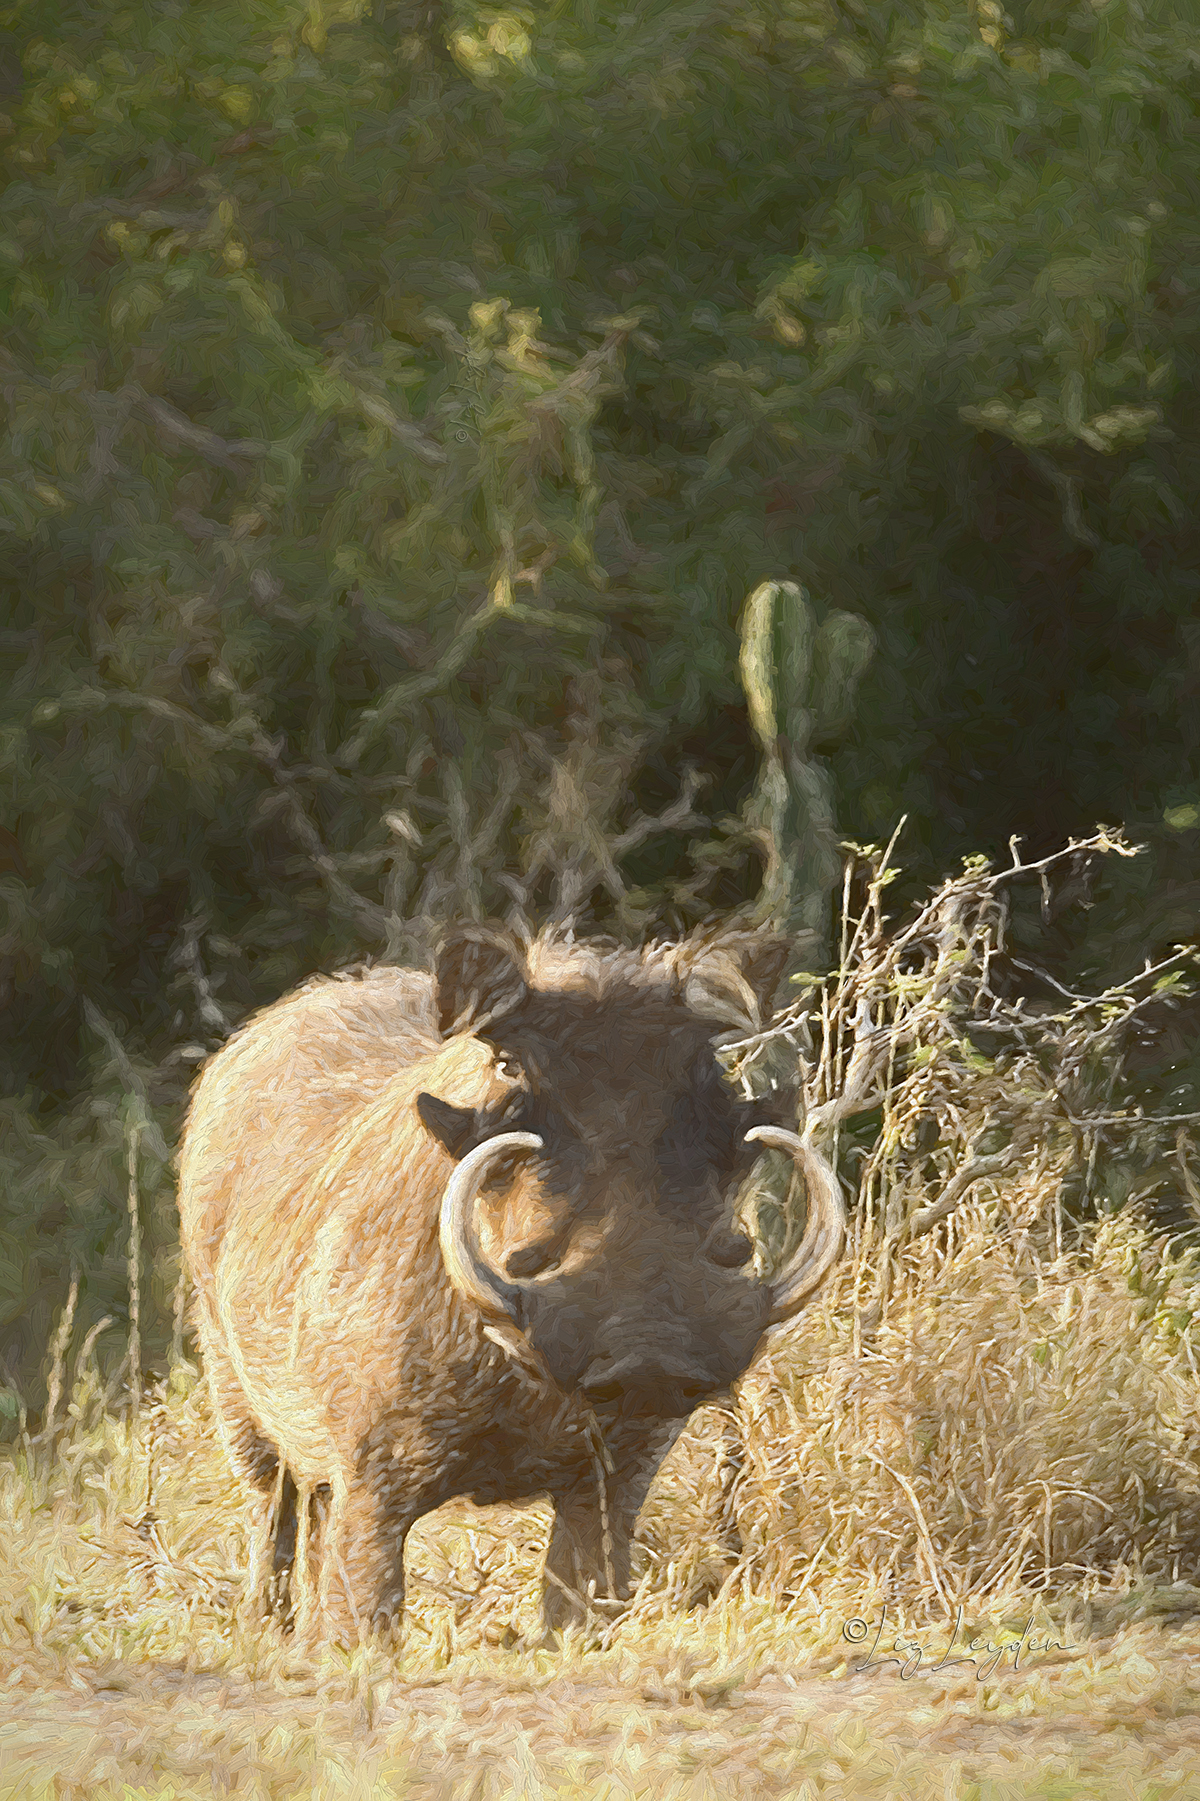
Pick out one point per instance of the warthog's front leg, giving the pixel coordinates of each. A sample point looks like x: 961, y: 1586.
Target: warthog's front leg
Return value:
x: 578, y: 1555
x: 362, y: 1563
x: 590, y: 1544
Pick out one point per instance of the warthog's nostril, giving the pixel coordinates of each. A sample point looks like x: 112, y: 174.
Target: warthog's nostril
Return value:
x: 650, y: 1389
x: 672, y: 1385
x: 731, y: 1250
x: 603, y: 1391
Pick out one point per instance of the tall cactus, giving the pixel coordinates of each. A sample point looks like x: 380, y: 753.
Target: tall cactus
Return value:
x: 800, y: 674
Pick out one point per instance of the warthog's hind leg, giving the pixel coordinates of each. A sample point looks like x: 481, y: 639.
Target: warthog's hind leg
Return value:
x: 252, y: 1453
x: 283, y: 1525
x: 281, y: 1543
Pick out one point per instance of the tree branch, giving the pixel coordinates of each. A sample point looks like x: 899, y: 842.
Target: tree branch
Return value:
x: 214, y: 449
x: 925, y: 1218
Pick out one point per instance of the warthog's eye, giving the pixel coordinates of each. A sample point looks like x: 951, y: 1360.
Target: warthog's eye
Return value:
x: 729, y: 1250
x: 532, y: 1259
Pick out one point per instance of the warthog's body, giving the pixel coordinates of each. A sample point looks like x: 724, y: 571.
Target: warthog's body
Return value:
x: 400, y: 1315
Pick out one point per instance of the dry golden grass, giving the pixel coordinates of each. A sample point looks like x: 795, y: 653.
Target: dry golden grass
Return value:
x: 1007, y: 1429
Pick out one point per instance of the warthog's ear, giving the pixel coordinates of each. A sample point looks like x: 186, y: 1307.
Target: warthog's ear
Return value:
x: 452, y: 1126
x: 480, y: 974
x: 731, y: 976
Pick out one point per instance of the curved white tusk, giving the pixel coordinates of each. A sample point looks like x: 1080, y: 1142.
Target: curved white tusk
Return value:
x: 824, y: 1229
x: 465, y: 1266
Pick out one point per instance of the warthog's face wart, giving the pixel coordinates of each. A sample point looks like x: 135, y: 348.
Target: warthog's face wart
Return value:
x: 614, y: 1243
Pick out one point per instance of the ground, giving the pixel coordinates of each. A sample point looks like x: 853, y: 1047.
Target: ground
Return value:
x: 1106, y: 1717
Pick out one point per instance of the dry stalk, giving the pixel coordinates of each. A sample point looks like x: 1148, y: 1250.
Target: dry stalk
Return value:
x: 135, y: 1274
x: 58, y: 1359
x: 86, y: 1352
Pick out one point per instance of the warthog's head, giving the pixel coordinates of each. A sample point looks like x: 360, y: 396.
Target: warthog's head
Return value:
x: 591, y: 1209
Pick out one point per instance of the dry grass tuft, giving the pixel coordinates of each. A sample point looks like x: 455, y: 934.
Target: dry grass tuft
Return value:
x: 992, y: 1404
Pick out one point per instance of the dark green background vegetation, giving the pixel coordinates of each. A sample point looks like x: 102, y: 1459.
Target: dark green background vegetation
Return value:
x: 400, y: 403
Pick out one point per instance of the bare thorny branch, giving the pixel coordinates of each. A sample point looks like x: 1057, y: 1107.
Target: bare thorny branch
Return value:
x: 896, y: 1029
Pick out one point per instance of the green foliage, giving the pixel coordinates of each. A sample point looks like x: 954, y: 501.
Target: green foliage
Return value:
x: 401, y: 402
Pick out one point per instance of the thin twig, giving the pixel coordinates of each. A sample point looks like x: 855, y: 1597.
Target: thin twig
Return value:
x: 114, y: 1383
x: 925, y: 1218
x: 135, y: 1273
x: 131, y: 1081
x: 188, y: 957
x: 86, y: 1349
x: 224, y: 452
x: 407, y: 694
x: 678, y: 817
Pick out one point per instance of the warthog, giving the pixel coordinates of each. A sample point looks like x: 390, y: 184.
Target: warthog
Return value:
x: 470, y: 1234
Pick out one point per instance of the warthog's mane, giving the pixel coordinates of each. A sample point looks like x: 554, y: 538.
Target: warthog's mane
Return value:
x: 702, y: 971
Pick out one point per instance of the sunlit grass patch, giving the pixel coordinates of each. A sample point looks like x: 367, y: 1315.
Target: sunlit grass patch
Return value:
x: 1009, y: 1429
x: 1010, y: 1435
x: 131, y: 1664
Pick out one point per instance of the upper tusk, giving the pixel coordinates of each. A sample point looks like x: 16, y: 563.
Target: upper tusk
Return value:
x: 468, y: 1272
x: 824, y: 1230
